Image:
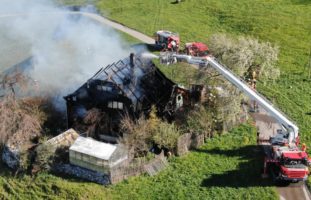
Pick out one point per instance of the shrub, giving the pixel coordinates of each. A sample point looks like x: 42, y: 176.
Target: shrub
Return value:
x: 21, y: 120
x: 44, y: 156
x: 137, y: 135
x: 166, y: 135
x: 200, y: 121
x: 141, y: 134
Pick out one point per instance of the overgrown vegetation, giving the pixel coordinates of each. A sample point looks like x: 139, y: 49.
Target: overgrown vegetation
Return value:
x: 19, y: 119
x: 200, y: 121
x: 226, y: 167
x: 24, y: 120
x: 166, y: 135
x: 222, y: 103
x: 144, y: 133
x: 45, y: 154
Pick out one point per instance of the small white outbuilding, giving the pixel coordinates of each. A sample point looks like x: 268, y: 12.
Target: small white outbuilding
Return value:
x: 95, y: 155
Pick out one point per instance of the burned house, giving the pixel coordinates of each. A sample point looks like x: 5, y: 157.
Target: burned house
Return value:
x: 128, y: 87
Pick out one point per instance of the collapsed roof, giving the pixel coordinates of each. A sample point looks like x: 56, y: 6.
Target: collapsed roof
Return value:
x: 131, y: 86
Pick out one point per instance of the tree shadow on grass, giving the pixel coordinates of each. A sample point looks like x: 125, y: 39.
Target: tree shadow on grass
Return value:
x: 301, y: 2
x: 177, y: 2
x: 248, y: 172
x: 308, y: 113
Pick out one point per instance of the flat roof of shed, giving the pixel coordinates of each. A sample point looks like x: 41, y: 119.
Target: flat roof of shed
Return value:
x: 93, y: 148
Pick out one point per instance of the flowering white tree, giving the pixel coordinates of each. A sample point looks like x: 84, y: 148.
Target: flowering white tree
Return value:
x: 245, y: 55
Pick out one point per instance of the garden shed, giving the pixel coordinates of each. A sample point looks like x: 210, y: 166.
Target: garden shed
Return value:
x: 95, y: 155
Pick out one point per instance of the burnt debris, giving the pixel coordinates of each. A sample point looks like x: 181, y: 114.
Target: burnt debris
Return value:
x: 130, y: 86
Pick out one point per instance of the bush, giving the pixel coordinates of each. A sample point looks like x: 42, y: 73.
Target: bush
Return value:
x: 166, y: 135
x: 136, y: 135
x: 44, y: 156
x: 140, y: 135
x: 200, y: 121
x: 21, y: 119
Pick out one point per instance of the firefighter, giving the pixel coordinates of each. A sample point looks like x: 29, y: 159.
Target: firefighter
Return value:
x: 304, y: 147
x: 172, y: 45
x: 253, y: 86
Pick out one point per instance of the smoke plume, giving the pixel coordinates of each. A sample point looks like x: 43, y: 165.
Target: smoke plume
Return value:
x: 66, y: 48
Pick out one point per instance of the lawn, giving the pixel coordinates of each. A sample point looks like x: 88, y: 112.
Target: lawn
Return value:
x: 226, y: 167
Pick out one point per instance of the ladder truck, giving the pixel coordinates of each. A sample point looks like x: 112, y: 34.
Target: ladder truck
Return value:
x: 283, y: 157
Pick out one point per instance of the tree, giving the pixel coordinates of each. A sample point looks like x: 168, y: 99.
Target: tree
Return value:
x: 244, y: 55
x: 21, y: 120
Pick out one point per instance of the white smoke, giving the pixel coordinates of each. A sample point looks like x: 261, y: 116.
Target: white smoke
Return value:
x: 67, y: 47
x: 149, y: 55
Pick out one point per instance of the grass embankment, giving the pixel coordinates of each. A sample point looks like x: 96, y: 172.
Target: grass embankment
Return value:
x: 226, y: 167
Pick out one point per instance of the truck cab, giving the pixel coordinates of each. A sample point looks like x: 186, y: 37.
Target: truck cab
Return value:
x: 291, y: 164
x: 294, y: 166
x: 167, y: 40
x: 198, y: 49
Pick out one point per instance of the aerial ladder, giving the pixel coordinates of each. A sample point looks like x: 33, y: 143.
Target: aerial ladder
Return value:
x: 284, y: 159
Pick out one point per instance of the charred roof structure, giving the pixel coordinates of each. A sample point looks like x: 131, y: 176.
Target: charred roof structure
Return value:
x: 130, y: 86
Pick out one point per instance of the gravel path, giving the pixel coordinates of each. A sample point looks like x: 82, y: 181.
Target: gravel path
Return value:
x: 138, y: 35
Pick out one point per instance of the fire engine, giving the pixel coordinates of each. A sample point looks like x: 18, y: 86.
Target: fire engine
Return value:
x: 283, y: 157
x: 167, y: 40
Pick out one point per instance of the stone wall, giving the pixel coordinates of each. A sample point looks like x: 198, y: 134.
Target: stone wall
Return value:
x: 82, y: 173
x: 117, y: 173
x: 189, y: 141
x: 136, y: 168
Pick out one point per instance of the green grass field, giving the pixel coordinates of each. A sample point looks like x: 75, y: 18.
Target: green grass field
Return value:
x: 226, y: 167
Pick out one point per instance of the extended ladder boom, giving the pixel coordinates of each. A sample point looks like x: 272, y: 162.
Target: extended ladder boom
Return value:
x: 290, y: 127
